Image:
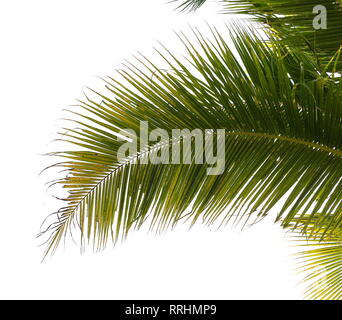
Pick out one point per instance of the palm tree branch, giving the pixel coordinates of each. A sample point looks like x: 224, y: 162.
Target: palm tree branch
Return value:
x: 282, y: 139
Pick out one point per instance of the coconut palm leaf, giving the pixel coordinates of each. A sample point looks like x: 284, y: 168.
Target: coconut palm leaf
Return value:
x: 282, y: 120
x: 293, y: 21
x: 322, y: 262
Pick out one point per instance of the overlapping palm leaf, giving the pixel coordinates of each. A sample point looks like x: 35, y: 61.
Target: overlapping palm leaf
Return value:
x: 321, y: 261
x: 292, y: 21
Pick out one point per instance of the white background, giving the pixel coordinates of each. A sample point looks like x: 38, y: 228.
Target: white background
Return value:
x: 49, y: 51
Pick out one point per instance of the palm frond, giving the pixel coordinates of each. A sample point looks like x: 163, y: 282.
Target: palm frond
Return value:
x: 292, y: 21
x: 322, y: 262
x: 282, y: 122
